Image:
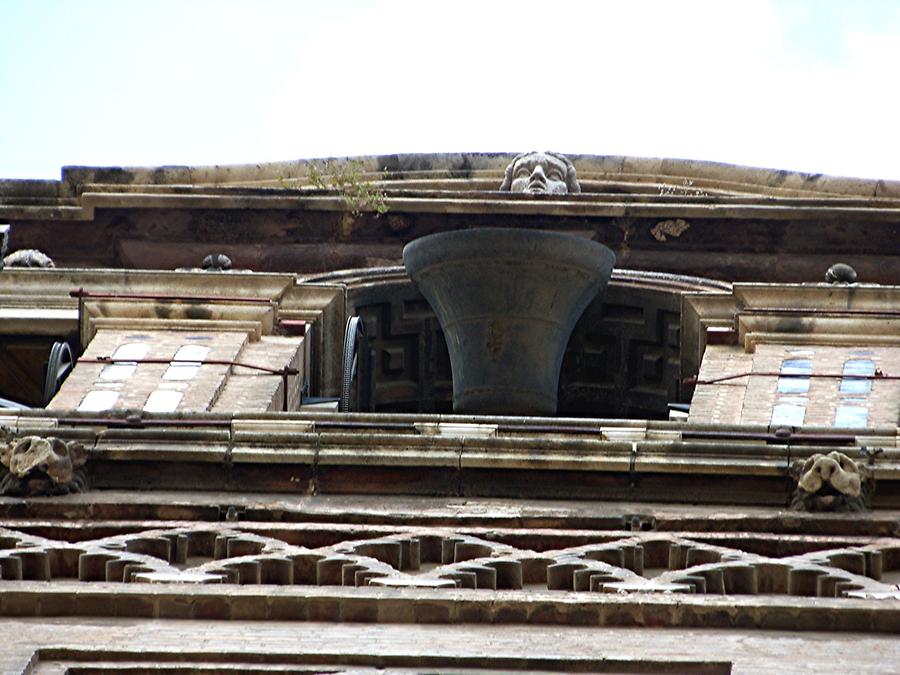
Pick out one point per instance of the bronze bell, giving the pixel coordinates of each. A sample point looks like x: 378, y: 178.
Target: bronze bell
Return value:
x: 507, y: 301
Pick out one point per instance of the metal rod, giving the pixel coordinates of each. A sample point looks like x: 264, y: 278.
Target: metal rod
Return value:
x: 878, y: 375
x: 786, y: 436
x: 819, y: 310
x: 549, y: 429
x: 81, y: 293
x: 284, y: 372
x: 341, y: 424
x: 141, y: 422
x: 808, y: 436
x: 7, y: 404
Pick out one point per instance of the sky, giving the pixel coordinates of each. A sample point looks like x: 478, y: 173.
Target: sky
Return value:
x: 801, y: 85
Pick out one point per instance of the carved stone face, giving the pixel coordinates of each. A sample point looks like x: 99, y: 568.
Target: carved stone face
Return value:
x: 831, y: 482
x: 41, y: 466
x: 540, y: 173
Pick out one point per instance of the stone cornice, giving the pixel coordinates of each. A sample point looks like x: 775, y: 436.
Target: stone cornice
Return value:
x: 82, y: 208
x: 491, y: 165
x: 606, y: 459
x: 461, y: 183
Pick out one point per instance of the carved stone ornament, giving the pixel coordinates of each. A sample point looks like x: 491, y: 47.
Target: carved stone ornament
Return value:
x: 841, y: 273
x: 831, y: 482
x: 540, y: 173
x: 33, y: 466
x: 216, y: 262
x: 28, y: 257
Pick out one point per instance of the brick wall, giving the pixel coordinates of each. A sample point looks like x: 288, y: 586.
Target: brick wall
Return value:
x: 248, y: 390
x: 210, y: 387
x: 724, y: 401
x: 752, y: 400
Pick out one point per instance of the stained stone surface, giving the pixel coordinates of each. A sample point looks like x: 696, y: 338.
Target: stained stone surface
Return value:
x: 765, y: 225
x: 399, y: 647
x: 138, y: 579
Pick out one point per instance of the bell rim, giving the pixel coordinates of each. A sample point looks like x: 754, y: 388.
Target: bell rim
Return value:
x: 435, y: 249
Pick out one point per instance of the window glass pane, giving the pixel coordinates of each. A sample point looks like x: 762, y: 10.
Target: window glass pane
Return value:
x: 851, y: 416
x: 179, y: 386
x: 181, y: 371
x: 186, y: 371
x: 857, y: 367
x: 123, y: 353
x: 795, y: 385
x: 98, y: 400
x: 132, y: 350
x: 163, y: 401
x: 118, y: 371
x: 788, y: 414
x: 191, y: 353
x: 796, y: 366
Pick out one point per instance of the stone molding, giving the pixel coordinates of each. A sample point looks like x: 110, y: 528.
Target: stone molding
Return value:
x: 223, y: 554
x: 467, y: 165
x: 305, y: 453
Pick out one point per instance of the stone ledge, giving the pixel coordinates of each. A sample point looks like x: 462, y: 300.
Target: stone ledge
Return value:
x: 459, y: 165
x: 168, y: 504
x: 389, y: 454
x: 191, y: 661
x: 495, y: 204
x: 391, y: 605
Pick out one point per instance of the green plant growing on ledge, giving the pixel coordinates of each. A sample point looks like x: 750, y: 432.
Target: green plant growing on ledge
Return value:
x: 347, y: 179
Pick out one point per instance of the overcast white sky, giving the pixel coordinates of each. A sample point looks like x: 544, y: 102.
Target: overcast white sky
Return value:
x: 804, y: 85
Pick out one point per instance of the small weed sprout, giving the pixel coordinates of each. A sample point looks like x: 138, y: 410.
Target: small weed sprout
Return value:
x: 346, y: 178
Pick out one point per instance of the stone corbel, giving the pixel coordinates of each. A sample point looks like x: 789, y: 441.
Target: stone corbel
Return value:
x: 37, y: 466
x: 831, y: 482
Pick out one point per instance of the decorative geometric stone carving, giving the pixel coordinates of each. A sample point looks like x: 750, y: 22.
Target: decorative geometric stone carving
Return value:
x: 410, y: 362
x: 33, y: 466
x: 623, y: 357
x: 436, y: 558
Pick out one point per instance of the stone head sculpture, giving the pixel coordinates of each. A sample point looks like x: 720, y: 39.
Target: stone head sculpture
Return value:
x: 34, y: 466
x: 831, y: 482
x: 216, y: 262
x: 540, y: 173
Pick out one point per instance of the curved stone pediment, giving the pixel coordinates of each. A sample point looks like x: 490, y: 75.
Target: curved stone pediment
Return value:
x: 311, y: 216
x: 617, y: 174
